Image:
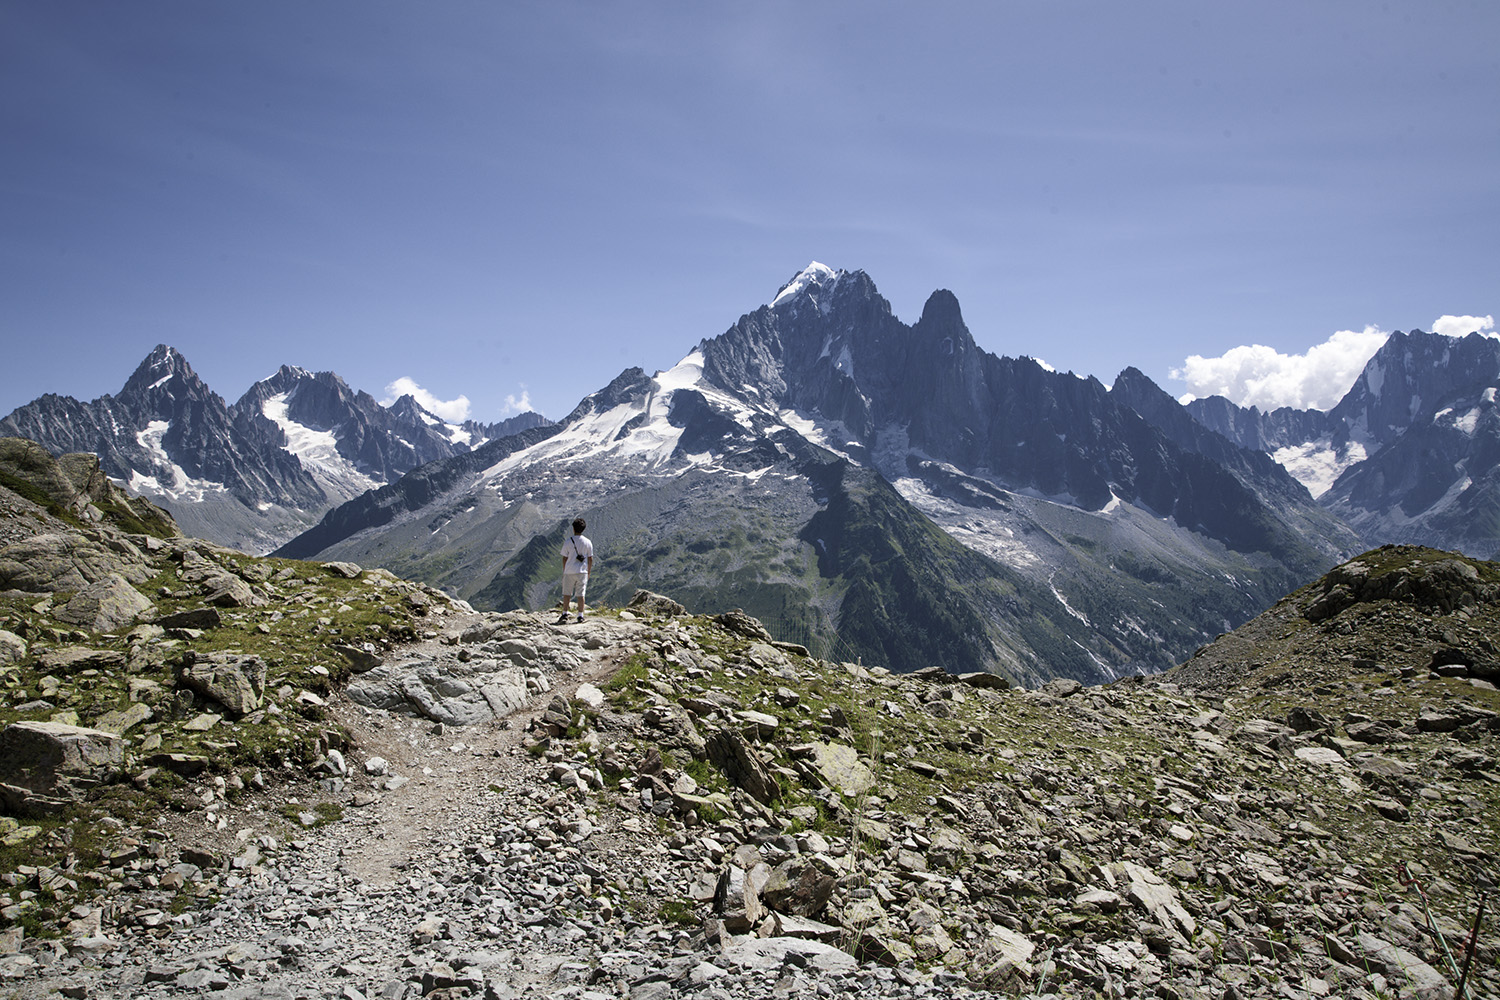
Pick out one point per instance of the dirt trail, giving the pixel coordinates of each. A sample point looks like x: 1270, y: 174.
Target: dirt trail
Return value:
x: 447, y: 767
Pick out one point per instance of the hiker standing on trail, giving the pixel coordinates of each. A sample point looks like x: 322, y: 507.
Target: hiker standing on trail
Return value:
x: 578, y: 559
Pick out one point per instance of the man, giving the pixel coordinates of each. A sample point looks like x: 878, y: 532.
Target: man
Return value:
x: 578, y: 559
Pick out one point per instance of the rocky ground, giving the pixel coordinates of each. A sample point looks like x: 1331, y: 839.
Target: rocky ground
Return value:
x: 282, y: 779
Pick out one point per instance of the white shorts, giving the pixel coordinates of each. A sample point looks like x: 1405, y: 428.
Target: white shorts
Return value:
x: 574, y: 584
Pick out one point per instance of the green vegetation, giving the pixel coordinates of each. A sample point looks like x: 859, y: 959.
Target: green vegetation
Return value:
x: 311, y: 611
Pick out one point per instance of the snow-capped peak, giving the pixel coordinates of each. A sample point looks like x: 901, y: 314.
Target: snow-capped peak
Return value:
x: 813, y: 275
x: 292, y: 370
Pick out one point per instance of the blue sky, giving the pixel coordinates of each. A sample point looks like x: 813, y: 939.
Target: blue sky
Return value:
x: 511, y: 202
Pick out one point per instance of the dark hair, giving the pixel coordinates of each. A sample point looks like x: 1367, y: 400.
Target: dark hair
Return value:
x: 578, y: 525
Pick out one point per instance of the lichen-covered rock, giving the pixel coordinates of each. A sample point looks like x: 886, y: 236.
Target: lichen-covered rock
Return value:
x: 109, y: 604
x: 226, y: 590
x: 236, y: 682
x: 12, y: 648
x: 53, y: 562
x: 838, y: 765
x: 47, y: 757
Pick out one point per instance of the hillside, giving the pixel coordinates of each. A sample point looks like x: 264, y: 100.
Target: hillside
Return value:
x: 304, y: 779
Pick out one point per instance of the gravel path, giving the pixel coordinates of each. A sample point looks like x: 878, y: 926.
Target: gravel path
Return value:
x: 475, y: 877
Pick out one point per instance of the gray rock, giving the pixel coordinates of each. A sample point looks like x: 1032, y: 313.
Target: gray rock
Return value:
x: 199, y: 618
x: 589, y: 696
x: 68, y: 660
x: 736, y: 901
x: 731, y: 753
x: 775, y: 952
x: 798, y: 887
x: 123, y: 720
x: 12, y: 648
x: 45, y: 757
x: 226, y: 590
x: 984, y: 679
x: 237, y: 682
x: 645, y: 602
x: 361, y: 658
x: 1062, y: 687
x: 838, y: 766
x: 69, y: 561
x: 109, y: 604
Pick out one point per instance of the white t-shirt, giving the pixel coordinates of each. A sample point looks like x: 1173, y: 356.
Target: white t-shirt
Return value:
x: 577, y: 550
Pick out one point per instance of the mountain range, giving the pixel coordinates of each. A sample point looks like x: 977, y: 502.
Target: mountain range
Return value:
x: 1408, y: 455
x: 253, y: 474
x: 872, y: 489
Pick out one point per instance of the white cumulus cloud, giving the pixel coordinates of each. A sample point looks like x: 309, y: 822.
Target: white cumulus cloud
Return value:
x: 455, y: 411
x: 1462, y: 326
x: 1257, y: 375
x: 513, y: 404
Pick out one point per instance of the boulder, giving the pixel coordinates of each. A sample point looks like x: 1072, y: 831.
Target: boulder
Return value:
x: 347, y: 570
x: 796, y: 886
x: 228, y: 591
x: 589, y: 696
x: 12, y: 648
x: 1062, y: 687
x: 837, y: 765
x: 453, y: 692
x: 984, y: 679
x: 735, y: 900
x: 738, y: 622
x: 772, y: 954
x: 123, y: 720
x: 237, y: 682
x: 645, y: 602
x: 76, y: 659
x: 676, y: 728
x: 71, y: 561
x: 104, y: 606
x: 361, y: 658
x: 49, y: 757
x: 731, y: 753
x: 1148, y: 890
x: 199, y: 618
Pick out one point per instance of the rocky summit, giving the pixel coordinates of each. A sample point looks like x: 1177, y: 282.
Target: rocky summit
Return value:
x: 271, y: 778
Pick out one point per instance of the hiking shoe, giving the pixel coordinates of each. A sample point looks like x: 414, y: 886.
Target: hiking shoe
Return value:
x: 580, y: 618
x: 562, y: 619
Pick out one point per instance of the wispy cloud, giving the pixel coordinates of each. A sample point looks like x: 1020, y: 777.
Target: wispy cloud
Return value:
x: 1462, y: 326
x: 515, y: 405
x: 1257, y: 375
x: 453, y: 410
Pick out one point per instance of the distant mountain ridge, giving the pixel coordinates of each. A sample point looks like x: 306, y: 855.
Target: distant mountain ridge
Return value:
x: 255, y: 473
x: 1409, y: 454
x: 878, y: 490
x: 875, y: 489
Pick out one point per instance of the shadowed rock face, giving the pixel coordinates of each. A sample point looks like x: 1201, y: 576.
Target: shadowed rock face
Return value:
x: 49, y: 757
